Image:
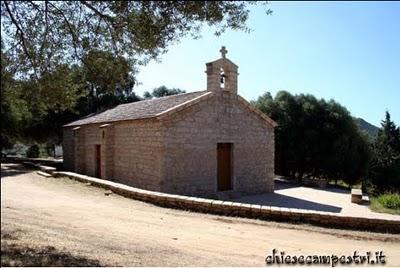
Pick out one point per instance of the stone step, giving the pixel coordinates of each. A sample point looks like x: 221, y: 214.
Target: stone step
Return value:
x: 44, y: 174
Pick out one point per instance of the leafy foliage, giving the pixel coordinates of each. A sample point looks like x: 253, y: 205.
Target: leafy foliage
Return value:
x: 385, y: 165
x: 43, y: 34
x: 33, y: 151
x: 35, y: 109
x: 107, y: 81
x: 315, y: 138
x: 14, y: 111
x: 386, y: 203
x: 391, y: 201
x: 162, y: 91
x: 61, y: 60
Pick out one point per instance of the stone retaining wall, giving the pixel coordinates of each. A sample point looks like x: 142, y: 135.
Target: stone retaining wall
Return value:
x: 228, y: 208
x: 40, y: 161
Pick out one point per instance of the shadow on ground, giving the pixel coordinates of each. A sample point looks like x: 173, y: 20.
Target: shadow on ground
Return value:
x: 10, y: 170
x: 280, y: 200
x: 17, y: 255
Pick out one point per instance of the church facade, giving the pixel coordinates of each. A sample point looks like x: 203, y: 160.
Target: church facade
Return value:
x: 204, y: 143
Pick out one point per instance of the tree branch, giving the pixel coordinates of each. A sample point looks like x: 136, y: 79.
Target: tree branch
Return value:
x: 72, y: 32
x: 46, y: 17
x: 21, y: 33
x: 108, y: 19
x: 103, y: 16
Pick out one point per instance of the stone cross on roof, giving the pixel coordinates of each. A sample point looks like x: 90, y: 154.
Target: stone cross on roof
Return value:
x: 223, y: 52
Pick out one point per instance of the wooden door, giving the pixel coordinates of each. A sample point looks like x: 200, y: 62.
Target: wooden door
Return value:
x: 224, y: 173
x: 98, y: 161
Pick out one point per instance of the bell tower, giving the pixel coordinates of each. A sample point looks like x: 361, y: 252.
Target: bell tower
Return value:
x: 222, y: 74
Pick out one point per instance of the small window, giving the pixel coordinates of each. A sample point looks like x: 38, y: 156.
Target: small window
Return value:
x: 222, y: 78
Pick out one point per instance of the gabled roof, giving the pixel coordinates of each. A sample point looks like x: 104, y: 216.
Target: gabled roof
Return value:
x: 140, y: 109
x: 222, y: 61
x: 157, y: 108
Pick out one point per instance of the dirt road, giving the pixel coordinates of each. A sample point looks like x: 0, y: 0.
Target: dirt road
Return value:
x: 88, y: 226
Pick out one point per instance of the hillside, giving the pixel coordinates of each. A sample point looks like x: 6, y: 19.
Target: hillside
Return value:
x: 370, y: 129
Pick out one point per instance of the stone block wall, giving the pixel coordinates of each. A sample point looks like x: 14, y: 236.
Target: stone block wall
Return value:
x: 214, y: 75
x: 190, y: 146
x: 130, y: 151
x: 178, y: 154
x: 137, y: 153
x: 68, y: 149
x: 107, y: 151
x: 219, y: 207
x: 92, y: 137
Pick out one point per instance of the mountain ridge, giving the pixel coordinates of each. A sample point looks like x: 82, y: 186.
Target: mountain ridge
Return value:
x: 367, y: 127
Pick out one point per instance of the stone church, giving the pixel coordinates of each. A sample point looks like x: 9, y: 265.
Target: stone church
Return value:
x: 205, y: 143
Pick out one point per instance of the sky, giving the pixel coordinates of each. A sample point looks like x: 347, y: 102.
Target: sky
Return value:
x: 346, y: 51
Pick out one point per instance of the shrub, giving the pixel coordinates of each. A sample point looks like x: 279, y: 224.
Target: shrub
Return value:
x: 388, y: 200
x: 33, y: 151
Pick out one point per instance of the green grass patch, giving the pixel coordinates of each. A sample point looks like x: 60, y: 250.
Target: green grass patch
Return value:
x: 386, y: 203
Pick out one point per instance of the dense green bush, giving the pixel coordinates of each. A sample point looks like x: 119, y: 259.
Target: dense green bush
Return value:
x: 33, y: 151
x: 388, y: 200
x: 315, y: 138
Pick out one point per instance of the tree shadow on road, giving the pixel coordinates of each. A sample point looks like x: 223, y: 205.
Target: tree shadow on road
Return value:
x: 14, y: 253
x: 17, y: 255
x: 10, y: 170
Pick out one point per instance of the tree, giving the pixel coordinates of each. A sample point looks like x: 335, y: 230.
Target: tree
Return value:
x: 39, y: 107
x: 384, y: 173
x: 71, y: 58
x: 33, y: 151
x: 108, y: 81
x: 14, y: 109
x: 42, y: 34
x: 315, y: 138
x: 162, y: 91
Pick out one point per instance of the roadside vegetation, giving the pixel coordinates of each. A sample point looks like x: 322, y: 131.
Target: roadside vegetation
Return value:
x: 386, y: 203
x: 319, y: 139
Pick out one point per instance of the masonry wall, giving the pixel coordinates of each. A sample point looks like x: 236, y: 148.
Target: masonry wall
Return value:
x: 68, y: 149
x: 91, y: 136
x: 130, y: 152
x: 108, y: 151
x: 190, y: 148
x: 179, y: 154
x: 138, y: 153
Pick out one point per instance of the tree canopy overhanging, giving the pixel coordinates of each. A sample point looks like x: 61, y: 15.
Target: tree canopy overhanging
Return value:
x: 42, y: 34
x: 60, y: 59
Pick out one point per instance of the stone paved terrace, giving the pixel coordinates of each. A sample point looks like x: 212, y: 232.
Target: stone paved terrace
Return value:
x: 328, y: 200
